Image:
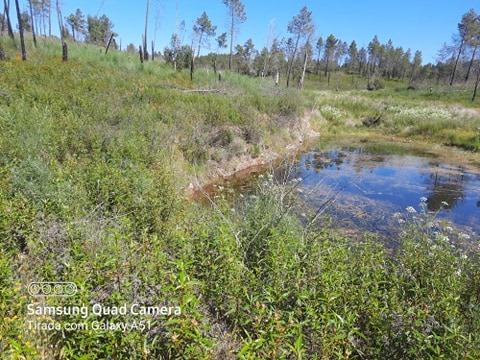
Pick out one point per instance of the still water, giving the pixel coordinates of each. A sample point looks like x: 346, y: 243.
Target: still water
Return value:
x: 367, y: 188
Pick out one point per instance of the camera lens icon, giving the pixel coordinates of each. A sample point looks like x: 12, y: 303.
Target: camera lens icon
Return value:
x: 52, y: 288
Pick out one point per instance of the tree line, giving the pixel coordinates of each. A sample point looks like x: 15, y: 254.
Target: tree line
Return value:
x: 289, y: 57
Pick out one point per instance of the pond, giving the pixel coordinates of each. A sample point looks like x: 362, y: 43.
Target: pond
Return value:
x: 367, y: 187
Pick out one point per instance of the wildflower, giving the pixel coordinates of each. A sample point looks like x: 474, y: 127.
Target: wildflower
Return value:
x: 449, y: 229
x: 411, y: 210
x: 464, y: 256
x: 423, y: 199
x: 443, y: 238
x: 444, y: 204
x: 464, y: 236
x: 401, y: 221
x: 397, y: 215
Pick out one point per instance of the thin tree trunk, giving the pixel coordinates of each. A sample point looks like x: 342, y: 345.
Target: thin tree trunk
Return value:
x: 192, y: 66
x: 471, y: 63
x: 327, y: 60
x: 64, y: 51
x: 32, y: 20
x: 108, y: 44
x: 153, y: 51
x: 477, y: 81
x: 231, y: 42
x: 302, y: 79
x: 289, y: 72
x: 140, y: 53
x: 460, y: 49
x: 199, y: 44
x: 60, y: 22
x: 145, y: 36
x: 50, y: 19
x: 9, y: 23
x: 20, y: 28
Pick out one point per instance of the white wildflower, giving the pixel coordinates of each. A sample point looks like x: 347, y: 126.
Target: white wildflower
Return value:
x: 411, y: 210
x: 423, y: 199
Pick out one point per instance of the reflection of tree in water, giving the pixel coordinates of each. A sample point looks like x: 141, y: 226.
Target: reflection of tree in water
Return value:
x: 448, y: 187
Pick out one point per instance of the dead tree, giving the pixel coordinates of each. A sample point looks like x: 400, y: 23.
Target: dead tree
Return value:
x: 109, y: 43
x: 192, y: 66
x: 140, y: 53
x: 33, y: 22
x: 20, y: 29
x: 145, y: 52
x: 477, y: 81
x: 305, y: 60
x: 64, y: 51
x: 62, y: 33
x: 153, y: 51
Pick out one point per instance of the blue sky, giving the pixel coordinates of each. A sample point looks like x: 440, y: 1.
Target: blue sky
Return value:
x: 415, y: 24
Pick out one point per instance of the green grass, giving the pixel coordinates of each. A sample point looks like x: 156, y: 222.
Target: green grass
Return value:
x: 94, y: 157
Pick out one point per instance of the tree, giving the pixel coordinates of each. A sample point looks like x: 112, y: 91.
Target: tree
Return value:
x: 131, y: 49
x: 237, y: 15
x: 473, y: 41
x: 319, y: 46
x: 374, y: 49
x: 77, y: 23
x: 20, y: 29
x: 204, y: 29
x: 7, y: 18
x: 221, y: 44
x: 464, y: 31
x: 145, y: 52
x: 352, y: 56
x: 300, y: 26
x: 25, y: 21
x: 99, y: 29
x: 417, y: 62
x: 33, y: 27
x: 307, y: 53
x: 330, y: 46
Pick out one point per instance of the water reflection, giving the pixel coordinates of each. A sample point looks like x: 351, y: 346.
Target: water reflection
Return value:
x: 370, y: 186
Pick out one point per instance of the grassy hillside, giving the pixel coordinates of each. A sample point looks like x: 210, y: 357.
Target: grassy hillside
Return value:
x: 94, y: 157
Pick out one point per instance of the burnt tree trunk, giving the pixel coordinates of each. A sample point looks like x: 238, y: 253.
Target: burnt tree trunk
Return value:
x: 145, y: 52
x: 109, y: 43
x: 140, y: 53
x: 20, y: 29
x: 471, y: 63
x: 64, y: 51
x: 153, y: 51
x: 477, y: 81
x: 192, y: 66
x: 452, y: 77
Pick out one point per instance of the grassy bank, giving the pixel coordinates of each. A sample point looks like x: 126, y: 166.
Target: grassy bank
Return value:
x: 389, y: 112
x: 94, y: 157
